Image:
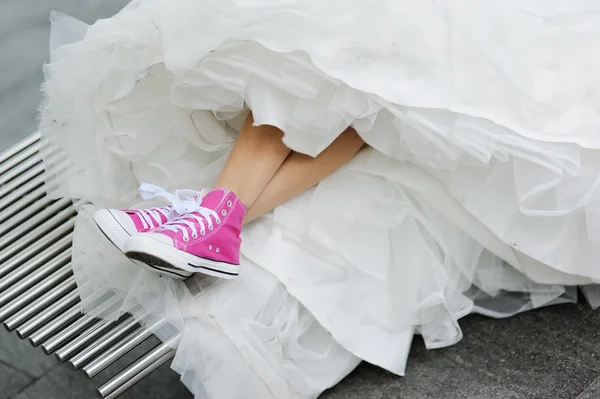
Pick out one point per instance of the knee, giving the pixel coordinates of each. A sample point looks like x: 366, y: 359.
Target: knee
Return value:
x: 352, y: 135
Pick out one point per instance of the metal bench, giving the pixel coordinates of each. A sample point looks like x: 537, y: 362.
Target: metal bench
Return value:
x: 38, y: 293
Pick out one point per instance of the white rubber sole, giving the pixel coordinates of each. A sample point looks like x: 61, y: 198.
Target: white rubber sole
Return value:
x: 119, y: 236
x: 159, y: 254
x: 173, y: 273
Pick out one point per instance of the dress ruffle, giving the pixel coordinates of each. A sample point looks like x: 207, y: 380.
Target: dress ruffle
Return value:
x: 480, y: 191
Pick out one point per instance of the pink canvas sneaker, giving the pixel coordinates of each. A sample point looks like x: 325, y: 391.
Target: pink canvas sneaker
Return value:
x: 206, y: 240
x: 118, y: 225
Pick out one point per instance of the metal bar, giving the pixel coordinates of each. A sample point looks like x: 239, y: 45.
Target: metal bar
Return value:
x: 54, y: 325
x: 83, y: 339
x: 117, y: 351
x: 19, y: 168
x: 139, y: 369
x: 142, y: 372
x: 63, y: 336
x: 25, y: 196
x: 36, y: 307
x: 35, y: 291
x: 18, y: 158
x: 47, y: 255
x: 18, y: 212
x: 35, y: 244
x: 22, y: 179
x: 18, y: 193
x: 103, y: 342
x: 36, y: 225
x: 121, y: 348
x: 27, y: 282
x: 20, y: 146
x: 39, y: 319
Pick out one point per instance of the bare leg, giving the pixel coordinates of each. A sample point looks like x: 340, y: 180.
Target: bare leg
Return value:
x: 299, y: 172
x: 256, y: 155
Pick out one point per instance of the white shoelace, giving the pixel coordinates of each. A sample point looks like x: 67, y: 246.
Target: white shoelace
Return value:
x: 182, y: 202
x: 150, y: 217
x: 181, y: 222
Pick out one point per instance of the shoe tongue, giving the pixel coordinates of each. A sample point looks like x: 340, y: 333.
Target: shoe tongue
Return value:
x: 214, y: 198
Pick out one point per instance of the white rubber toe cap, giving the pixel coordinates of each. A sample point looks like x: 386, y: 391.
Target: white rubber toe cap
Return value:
x: 115, y: 225
x: 124, y: 220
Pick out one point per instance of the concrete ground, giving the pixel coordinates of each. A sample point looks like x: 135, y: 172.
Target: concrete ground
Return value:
x: 551, y: 353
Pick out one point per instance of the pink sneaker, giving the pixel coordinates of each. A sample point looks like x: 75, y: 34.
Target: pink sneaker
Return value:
x: 206, y: 240
x: 118, y: 225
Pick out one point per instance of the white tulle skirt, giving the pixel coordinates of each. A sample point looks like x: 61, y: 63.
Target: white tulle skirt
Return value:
x: 479, y: 192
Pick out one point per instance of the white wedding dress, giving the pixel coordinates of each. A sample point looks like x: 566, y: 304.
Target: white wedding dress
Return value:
x: 480, y: 191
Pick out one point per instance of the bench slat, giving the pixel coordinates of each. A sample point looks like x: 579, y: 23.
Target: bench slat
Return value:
x: 38, y: 293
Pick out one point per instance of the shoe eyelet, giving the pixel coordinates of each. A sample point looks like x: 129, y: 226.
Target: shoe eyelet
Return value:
x: 203, y: 232
x: 186, y: 239
x: 210, y: 228
x: 194, y: 235
x: 218, y: 249
x: 223, y: 212
x: 218, y: 221
x: 210, y: 247
x: 229, y: 203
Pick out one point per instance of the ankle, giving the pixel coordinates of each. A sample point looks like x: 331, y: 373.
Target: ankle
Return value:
x: 244, y: 197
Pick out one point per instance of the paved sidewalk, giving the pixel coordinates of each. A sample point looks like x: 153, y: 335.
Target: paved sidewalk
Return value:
x: 552, y: 353
x: 24, y: 42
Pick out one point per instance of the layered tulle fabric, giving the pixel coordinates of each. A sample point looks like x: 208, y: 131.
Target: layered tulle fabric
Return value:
x: 479, y: 192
